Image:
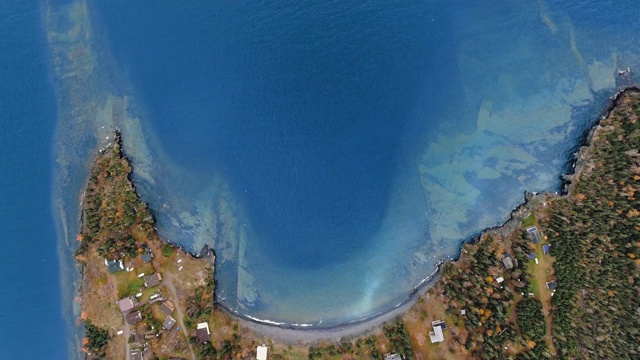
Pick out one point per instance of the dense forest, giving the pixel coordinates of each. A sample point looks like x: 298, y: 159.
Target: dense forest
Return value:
x: 112, y: 212
x: 472, y: 285
x: 595, y: 232
x: 96, y: 339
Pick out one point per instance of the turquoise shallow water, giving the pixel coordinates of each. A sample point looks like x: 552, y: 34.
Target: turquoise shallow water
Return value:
x: 333, y: 153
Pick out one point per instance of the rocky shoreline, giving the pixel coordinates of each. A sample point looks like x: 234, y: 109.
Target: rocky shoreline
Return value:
x: 580, y: 155
x: 301, y: 337
x: 292, y: 334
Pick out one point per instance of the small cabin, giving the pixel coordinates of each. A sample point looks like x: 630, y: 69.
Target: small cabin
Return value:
x: 202, y: 332
x: 152, y: 280
x: 168, y: 323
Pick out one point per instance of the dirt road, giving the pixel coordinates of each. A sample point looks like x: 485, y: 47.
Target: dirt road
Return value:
x: 168, y: 282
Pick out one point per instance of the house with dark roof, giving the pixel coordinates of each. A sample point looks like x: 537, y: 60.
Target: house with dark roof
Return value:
x: 127, y: 303
x: 202, y: 332
x: 545, y: 248
x: 147, y: 256
x: 167, y: 307
x: 552, y: 285
x: 114, y: 265
x: 168, y: 323
x: 133, y: 317
x: 137, y: 337
x: 152, y: 280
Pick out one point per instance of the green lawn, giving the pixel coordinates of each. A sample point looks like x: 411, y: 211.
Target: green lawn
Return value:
x: 535, y: 286
x: 529, y: 221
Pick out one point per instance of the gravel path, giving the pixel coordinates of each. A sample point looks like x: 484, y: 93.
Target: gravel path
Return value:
x: 169, y: 284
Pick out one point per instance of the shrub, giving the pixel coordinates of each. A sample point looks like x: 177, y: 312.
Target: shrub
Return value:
x: 167, y: 250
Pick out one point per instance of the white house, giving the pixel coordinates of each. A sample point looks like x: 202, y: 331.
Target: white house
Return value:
x: 436, y: 335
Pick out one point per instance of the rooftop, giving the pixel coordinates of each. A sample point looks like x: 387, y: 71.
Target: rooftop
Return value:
x: 152, y: 280
x: 168, y: 323
x: 114, y: 265
x: 147, y: 256
x: 262, y: 352
x: 393, y: 357
x: 552, y: 285
x: 436, y: 335
x: 202, y: 332
x: 133, y: 317
x: 535, y: 235
x: 167, y: 307
x: 127, y: 303
x: 202, y: 335
x: 508, y: 264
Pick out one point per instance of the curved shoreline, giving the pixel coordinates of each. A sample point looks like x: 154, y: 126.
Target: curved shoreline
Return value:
x: 292, y: 333
x: 302, y: 333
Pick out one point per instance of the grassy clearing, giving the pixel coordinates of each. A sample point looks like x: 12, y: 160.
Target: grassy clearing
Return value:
x: 529, y: 221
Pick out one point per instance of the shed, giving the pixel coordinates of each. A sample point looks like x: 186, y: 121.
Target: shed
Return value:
x: 133, y: 317
x: 393, y: 357
x: 168, y: 323
x: 202, y: 332
x: 167, y: 307
x: 552, y: 285
x: 152, y: 280
x: 127, y: 303
x: 147, y: 256
x: 545, y: 248
x: 506, y: 261
x: 261, y: 352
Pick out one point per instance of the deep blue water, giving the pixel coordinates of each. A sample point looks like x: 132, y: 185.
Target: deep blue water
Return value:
x: 33, y: 327
x: 334, y: 152
x: 343, y: 149
x: 324, y: 90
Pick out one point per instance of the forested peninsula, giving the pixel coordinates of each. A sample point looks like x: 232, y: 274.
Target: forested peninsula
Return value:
x: 559, y: 280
